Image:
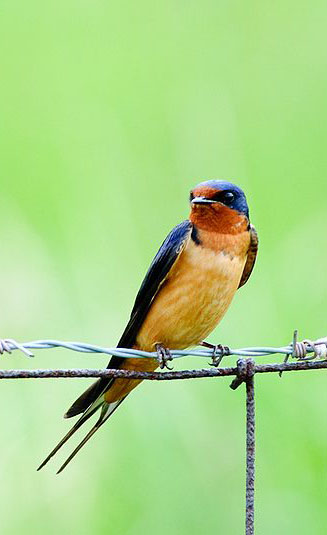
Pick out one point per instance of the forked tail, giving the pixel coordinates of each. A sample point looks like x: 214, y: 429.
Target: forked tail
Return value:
x: 107, y: 409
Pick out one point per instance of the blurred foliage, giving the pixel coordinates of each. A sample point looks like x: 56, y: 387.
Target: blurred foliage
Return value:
x: 110, y: 113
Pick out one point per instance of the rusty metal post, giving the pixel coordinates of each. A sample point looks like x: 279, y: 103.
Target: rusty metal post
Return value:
x: 245, y: 373
x: 250, y: 449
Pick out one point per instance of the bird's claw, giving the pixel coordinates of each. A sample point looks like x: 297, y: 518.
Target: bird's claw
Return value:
x: 163, y: 356
x: 219, y: 352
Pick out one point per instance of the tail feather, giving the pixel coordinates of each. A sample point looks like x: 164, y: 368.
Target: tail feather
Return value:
x: 107, y: 410
x: 71, y: 432
x: 88, y: 397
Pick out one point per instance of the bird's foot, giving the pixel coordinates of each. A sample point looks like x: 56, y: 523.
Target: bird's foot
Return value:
x: 163, y: 356
x: 219, y: 352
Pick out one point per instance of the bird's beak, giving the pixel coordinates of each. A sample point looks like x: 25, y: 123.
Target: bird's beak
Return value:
x: 202, y: 200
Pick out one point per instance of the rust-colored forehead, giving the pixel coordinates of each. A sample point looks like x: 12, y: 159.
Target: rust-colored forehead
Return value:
x: 205, y: 191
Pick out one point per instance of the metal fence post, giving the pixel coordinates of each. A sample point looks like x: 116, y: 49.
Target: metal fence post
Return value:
x: 245, y: 373
x: 250, y: 449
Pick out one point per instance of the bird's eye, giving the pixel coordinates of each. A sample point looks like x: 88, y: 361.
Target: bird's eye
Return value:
x: 228, y: 197
x: 191, y: 196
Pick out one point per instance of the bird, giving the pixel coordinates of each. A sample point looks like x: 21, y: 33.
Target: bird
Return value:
x: 184, y: 295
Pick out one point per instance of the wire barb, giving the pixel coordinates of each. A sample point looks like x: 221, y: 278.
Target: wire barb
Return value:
x: 300, y: 350
x: 8, y: 344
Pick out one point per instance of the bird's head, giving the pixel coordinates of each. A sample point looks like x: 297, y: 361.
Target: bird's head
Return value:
x: 220, y: 206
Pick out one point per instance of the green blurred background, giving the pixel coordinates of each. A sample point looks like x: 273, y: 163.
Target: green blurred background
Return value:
x: 110, y: 113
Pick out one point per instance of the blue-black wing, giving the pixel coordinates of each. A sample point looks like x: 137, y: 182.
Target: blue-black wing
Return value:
x: 251, y: 257
x: 154, y: 278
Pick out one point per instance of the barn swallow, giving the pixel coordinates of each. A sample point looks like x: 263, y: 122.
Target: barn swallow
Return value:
x: 184, y: 295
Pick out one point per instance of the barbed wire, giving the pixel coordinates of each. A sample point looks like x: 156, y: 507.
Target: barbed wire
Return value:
x: 295, y: 349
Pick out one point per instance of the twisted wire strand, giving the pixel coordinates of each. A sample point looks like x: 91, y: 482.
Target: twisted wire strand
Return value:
x: 307, y: 349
